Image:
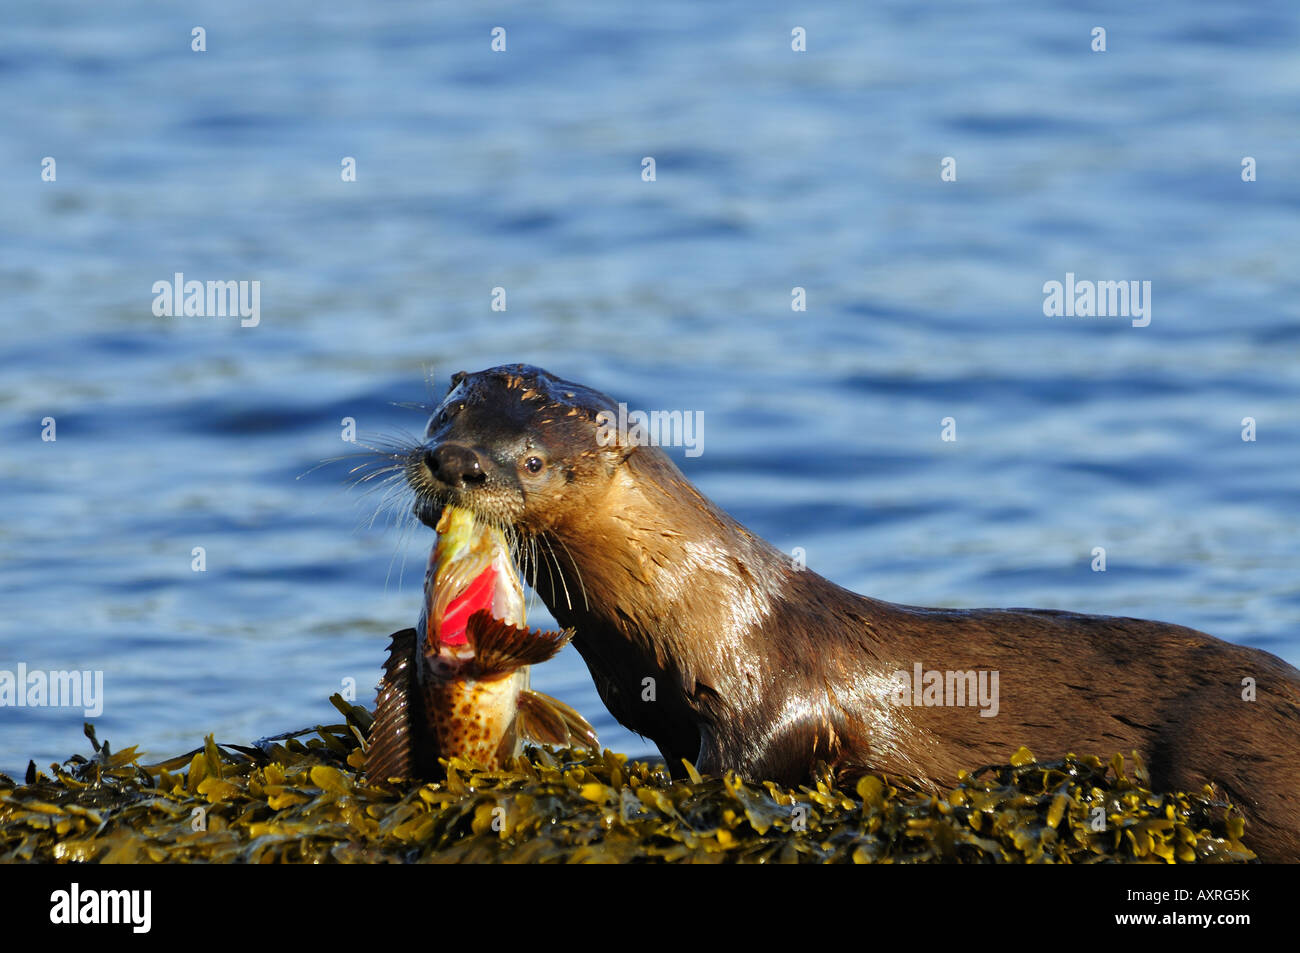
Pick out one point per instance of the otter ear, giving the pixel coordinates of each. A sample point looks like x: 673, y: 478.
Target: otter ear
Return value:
x: 615, y: 455
x: 456, y: 379
x: 612, y: 441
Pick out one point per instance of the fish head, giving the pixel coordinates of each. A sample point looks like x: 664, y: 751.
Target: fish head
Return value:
x: 473, y: 622
x: 470, y: 571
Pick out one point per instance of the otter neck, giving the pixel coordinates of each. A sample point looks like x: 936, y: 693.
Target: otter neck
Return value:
x: 676, y: 578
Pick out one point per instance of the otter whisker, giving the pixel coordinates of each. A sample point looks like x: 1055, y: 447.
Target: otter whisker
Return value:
x: 406, y: 524
x: 387, y: 479
x: 528, y: 566
x: 558, y: 571
x: 374, y: 448
x: 532, y: 555
x: 391, y: 491
x: 381, y: 468
x: 577, y: 574
x: 419, y: 406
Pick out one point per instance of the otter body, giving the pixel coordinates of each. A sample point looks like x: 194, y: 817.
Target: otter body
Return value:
x: 705, y: 638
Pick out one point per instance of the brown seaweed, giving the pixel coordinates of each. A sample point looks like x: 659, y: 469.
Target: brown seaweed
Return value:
x: 302, y: 798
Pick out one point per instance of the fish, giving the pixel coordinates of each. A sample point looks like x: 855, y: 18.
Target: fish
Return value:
x: 457, y: 686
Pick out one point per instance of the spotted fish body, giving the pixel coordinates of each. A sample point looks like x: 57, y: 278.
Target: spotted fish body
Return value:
x: 474, y: 719
x: 458, y: 685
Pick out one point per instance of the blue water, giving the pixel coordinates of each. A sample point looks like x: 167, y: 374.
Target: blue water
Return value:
x: 522, y: 170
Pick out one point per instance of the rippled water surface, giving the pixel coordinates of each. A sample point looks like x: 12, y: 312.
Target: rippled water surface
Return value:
x: 522, y: 170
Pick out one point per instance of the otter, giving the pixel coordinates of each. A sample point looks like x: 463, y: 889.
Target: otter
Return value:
x: 709, y: 641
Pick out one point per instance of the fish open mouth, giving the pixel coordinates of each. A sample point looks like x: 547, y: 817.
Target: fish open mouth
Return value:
x: 470, y: 571
x: 476, y: 597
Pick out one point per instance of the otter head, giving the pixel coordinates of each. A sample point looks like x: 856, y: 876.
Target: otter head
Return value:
x: 508, y: 444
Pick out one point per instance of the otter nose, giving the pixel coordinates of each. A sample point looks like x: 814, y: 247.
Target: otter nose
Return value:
x: 455, y: 465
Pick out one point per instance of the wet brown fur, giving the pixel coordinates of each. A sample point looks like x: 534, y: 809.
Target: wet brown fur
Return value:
x: 765, y: 669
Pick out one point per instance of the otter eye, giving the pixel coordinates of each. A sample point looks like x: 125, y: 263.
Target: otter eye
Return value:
x: 534, y: 464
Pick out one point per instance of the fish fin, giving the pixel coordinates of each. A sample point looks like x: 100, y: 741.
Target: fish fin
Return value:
x: 399, y: 710
x: 506, y: 749
x: 546, y: 720
x: 500, y: 648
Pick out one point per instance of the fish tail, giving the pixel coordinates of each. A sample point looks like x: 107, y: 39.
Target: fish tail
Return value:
x: 398, y: 742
